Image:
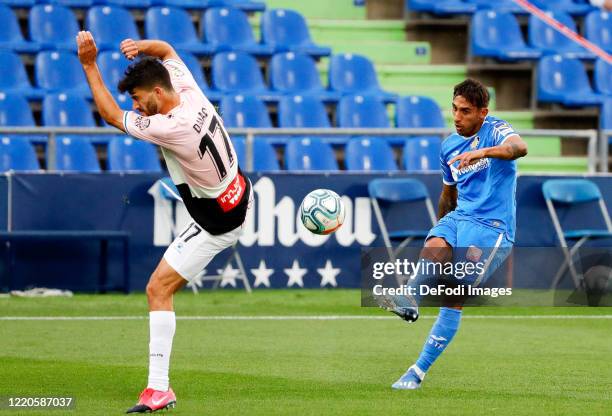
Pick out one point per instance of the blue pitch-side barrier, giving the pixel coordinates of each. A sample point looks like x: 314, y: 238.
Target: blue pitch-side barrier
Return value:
x: 272, y: 241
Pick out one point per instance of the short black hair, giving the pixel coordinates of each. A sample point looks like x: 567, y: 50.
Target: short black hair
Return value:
x: 147, y: 73
x: 474, y: 92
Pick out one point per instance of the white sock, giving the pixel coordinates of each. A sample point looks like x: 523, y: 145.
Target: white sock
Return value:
x: 161, y: 325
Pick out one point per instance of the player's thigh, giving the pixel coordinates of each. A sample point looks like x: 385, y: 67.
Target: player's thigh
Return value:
x: 194, y: 248
x: 440, y: 241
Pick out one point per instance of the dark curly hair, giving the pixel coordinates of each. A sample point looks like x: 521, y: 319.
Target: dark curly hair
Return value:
x: 474, y: 92
x: 146, y: 73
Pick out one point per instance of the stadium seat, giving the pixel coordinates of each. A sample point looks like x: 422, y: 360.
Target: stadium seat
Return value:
x: 228, y: 29
x: 14, y: 77
x: 565, y: 81
x: 126, y: 154
x: 80, y: 4
x: 15, y: 111
x: 60, y: 71
x: 110, y: 25
x: 242, y: 111
x: 264, y: 155
x: 598, y: 29
x: 603, y: 77
x: 605, y: 116
x: 418, y: 112
x: 422, y: 153
x: 572, y: 193
x: 53, y: 26
x: 499, y: 5
x: 11, y: 36
x: 566, y: 6
x: 246, y: 5
x: 238, y: 73
x: 17, y: 153
x: 441, y: 7
x: 63, y: 110
x: 355, y: 74
x: 132, y: 4
x: 19, y: 3
x: 362, y: 112
x: 364, y: 154
x: 550, y: 41
x: 302, y: 112
x: 195, y: 67
x: 286, y: 30
x: 174, y: 26
x: 309, y: 154
x: 296, y: 73
x: 75, y: 154
x: 112, y: 67
x: 388, y: 195
x: 498, y: 35
x: 124, y: 101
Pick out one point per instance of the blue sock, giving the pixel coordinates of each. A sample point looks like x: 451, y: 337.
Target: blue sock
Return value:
x: 441, y: 335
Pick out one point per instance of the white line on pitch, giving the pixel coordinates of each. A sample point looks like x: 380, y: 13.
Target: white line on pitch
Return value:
x: 286, y: 318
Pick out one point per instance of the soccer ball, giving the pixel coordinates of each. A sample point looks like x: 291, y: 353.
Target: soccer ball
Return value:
x: 322, y: 211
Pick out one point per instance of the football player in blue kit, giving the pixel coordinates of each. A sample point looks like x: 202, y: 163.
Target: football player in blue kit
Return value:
x: 476, y: 213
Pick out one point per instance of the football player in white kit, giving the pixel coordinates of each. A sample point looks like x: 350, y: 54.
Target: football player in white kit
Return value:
x: 174, y: 114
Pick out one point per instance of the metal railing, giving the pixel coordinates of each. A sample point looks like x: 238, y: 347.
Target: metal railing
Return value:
x: 591, y: 136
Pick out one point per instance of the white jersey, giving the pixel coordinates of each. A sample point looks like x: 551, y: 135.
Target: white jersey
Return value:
x: 199, y: 154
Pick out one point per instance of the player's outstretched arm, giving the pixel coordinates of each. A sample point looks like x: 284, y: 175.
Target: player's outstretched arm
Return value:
x: 512, y: 148
x: 108, y: 108
x: 448, y: 200
x: 158, y: 48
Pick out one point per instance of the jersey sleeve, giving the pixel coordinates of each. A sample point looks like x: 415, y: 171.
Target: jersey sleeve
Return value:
x: 447, y: 175
x: 157, y: 129
x: 501, y: 131
x: 180, y: 76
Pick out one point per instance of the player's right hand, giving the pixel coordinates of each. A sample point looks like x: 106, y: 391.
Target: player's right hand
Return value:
x: 129, y: 48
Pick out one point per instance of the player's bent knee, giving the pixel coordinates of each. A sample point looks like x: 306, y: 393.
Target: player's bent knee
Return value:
x: 437, y: 249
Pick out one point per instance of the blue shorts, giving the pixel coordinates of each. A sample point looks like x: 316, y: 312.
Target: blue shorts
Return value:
x: 467, y: 237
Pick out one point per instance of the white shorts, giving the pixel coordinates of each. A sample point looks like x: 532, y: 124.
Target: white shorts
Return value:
x: 194, y: 248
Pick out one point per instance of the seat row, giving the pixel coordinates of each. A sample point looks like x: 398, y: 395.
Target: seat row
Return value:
x: 497, y: 34
x: 452, y: 7
x: 232, y: 73
x: 76, y: 154
x: 246, y: 5
x: 244, y: 111
x: 53, y: 27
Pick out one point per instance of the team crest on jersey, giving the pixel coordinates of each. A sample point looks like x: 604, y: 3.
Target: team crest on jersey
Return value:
x: 176, y: 72
x: 142, y: 122
x: 475, y: 142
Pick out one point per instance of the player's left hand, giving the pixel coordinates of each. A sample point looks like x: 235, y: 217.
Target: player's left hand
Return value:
x: 87, y: 48
x: 468, y: 158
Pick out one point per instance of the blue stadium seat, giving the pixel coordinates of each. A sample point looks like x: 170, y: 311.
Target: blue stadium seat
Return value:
x: 415, y: 111
x: 11, y: 36
x: 53, y: 26
x: 241, y: 111
x: 110, y: 25
x: 60, y: 71
x: 264, y: 155
x: 422, y: 153
x: 132, y: 4
x: 550, y: 41
x: 80, y: 4
x: 112, y: 67
x: 302, y: 112
x: 14, y: 77
x: 238, y: 73
x: 228, y: 29
x: 286, y: 30
x: 567, y: 6
x: 441, y: 7
x: 15, y: 110
x: 355, y: 74
x: 309, y: 154
x: 246, y: 5
x: 605, y: 117
x: 17, y: 153
x: 174, y: 26
x: 296, y: 73
x: 603, y: 77
x: 499, y: 5
x: 565, y: 81
x: 124, y: 101
x: 19, y: 3
x: 75, y: 154
x: 63, y: 110
x: 195, y: 67
x: 598, y: 29
x: 498, y: 35
x: 126, y: 154
x: 369, y: 155
x: 362, y: 112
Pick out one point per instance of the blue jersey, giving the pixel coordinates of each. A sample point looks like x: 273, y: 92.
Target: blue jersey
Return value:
x: 486, y: 190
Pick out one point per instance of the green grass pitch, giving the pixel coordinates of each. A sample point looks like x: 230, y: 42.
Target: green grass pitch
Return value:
x: 503, y: 361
